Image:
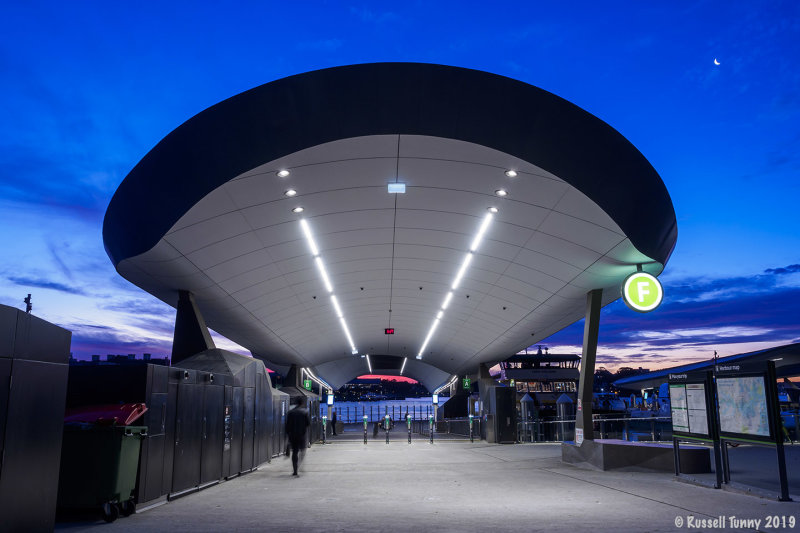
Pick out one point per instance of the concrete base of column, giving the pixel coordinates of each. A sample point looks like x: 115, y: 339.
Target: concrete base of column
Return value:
x: 612, y: 454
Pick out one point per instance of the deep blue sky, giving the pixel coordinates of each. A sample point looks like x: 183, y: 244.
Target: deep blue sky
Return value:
x: 89, y: 87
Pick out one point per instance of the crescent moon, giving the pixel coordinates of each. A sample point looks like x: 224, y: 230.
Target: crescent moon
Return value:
x: 716, y: 62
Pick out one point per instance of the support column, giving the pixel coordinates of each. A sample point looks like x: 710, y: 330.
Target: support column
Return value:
x: 294, y: 378
x: 485, y: 385
x: 583, y: 415
x: 191, y: 334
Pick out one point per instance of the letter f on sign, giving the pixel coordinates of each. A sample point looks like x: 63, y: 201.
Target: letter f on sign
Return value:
x: 643, y: 288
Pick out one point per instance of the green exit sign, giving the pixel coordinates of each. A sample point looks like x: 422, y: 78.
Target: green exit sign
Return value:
x: 307, y: 384
x: 466, y: 382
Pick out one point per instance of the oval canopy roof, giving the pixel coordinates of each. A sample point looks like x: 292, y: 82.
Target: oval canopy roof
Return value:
x: 206, y: 211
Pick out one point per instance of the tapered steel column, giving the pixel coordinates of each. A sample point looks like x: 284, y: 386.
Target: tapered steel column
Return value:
x: 583, y: 416
x: 191, y: 334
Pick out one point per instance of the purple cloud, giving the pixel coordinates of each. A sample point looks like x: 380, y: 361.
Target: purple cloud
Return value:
x: 44, y: 284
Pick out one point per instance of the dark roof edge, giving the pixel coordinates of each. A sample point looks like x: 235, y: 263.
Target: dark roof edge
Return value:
x: 305, y: 110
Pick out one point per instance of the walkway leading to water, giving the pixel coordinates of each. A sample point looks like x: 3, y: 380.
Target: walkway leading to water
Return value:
x: 447, y: 486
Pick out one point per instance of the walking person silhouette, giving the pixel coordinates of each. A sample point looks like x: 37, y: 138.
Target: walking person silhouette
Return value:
x: 297, y: 422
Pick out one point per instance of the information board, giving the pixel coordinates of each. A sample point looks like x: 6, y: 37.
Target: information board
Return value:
x: 677, y: 401
x: 689, y: 410
x: 743, y: 408
x: 696, y: 406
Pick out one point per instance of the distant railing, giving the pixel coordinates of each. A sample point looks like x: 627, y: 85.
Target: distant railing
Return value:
x: 460, y: 426
x: 631, y: 429
x: 374, y: 412
x: 450, y: 426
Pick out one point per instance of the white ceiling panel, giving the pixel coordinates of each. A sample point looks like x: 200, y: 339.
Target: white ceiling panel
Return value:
x: 578, y: 204
x: 417, y: 146
x: 569, y: 252
x: 242, y: 251
x: 354, y: 148
x: 581, y: 232
x: 234, y: 267
x: 206, y: 232
x: 223, y: 251
x: 536, y: 190
x: 209, y: 207
x: 546, y: 265
x: 246, y: 281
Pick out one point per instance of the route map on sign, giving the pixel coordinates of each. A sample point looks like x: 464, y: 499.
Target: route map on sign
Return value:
x: 743, y: 405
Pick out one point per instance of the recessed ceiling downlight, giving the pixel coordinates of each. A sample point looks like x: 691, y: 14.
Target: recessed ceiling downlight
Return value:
x: 290, y: 192
x: 283, y: 173
x: 492, y: 209
x: 501, y: 192
x: 511, y: 173
x: 297, y: 209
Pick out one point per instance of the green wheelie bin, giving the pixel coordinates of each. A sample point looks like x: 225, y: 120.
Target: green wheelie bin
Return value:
x: 98, y: 468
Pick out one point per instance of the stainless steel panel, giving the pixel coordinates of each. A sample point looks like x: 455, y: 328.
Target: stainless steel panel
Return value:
x: 8, y: 330
x: 5, y: 381
x: 169, y: 443
x: 505, y: 415
x: 38, y: 340
x: 151, y: 468
x: 188, y: 434
x: 159, y: 379
x: 248, y: 427
x: 263, y: 433
x: 227, y: 431
x: 32, y: 445
x: 212, y: 434
x: 237, y: 419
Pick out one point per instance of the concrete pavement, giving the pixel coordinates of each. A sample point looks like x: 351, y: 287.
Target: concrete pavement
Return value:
x: 448, y: 486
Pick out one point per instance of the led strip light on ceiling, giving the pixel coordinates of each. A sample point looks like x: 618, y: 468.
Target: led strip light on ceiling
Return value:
x: 319, y: 381
x: 369, y: 365
x: 312, y: 246
x: 405, y: 360
x: 446, y: 385
x: 476, y: 241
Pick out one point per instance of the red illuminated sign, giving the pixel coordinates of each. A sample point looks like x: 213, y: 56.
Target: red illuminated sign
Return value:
x: 389, y: 331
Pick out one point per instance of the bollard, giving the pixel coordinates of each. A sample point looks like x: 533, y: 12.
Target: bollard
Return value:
x: 324, y: 420
x: 386, y: 423
x: 430, y: 426
x: 471, y: 437
x: 365, y: 429
x: 408, y: 422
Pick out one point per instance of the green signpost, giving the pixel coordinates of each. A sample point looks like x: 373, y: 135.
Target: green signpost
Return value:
x: 466, y: 382
x: 307, y: 384
x: 642, y: 292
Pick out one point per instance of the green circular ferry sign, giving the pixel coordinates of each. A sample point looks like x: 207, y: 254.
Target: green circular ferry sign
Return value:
x: 642, y: 292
